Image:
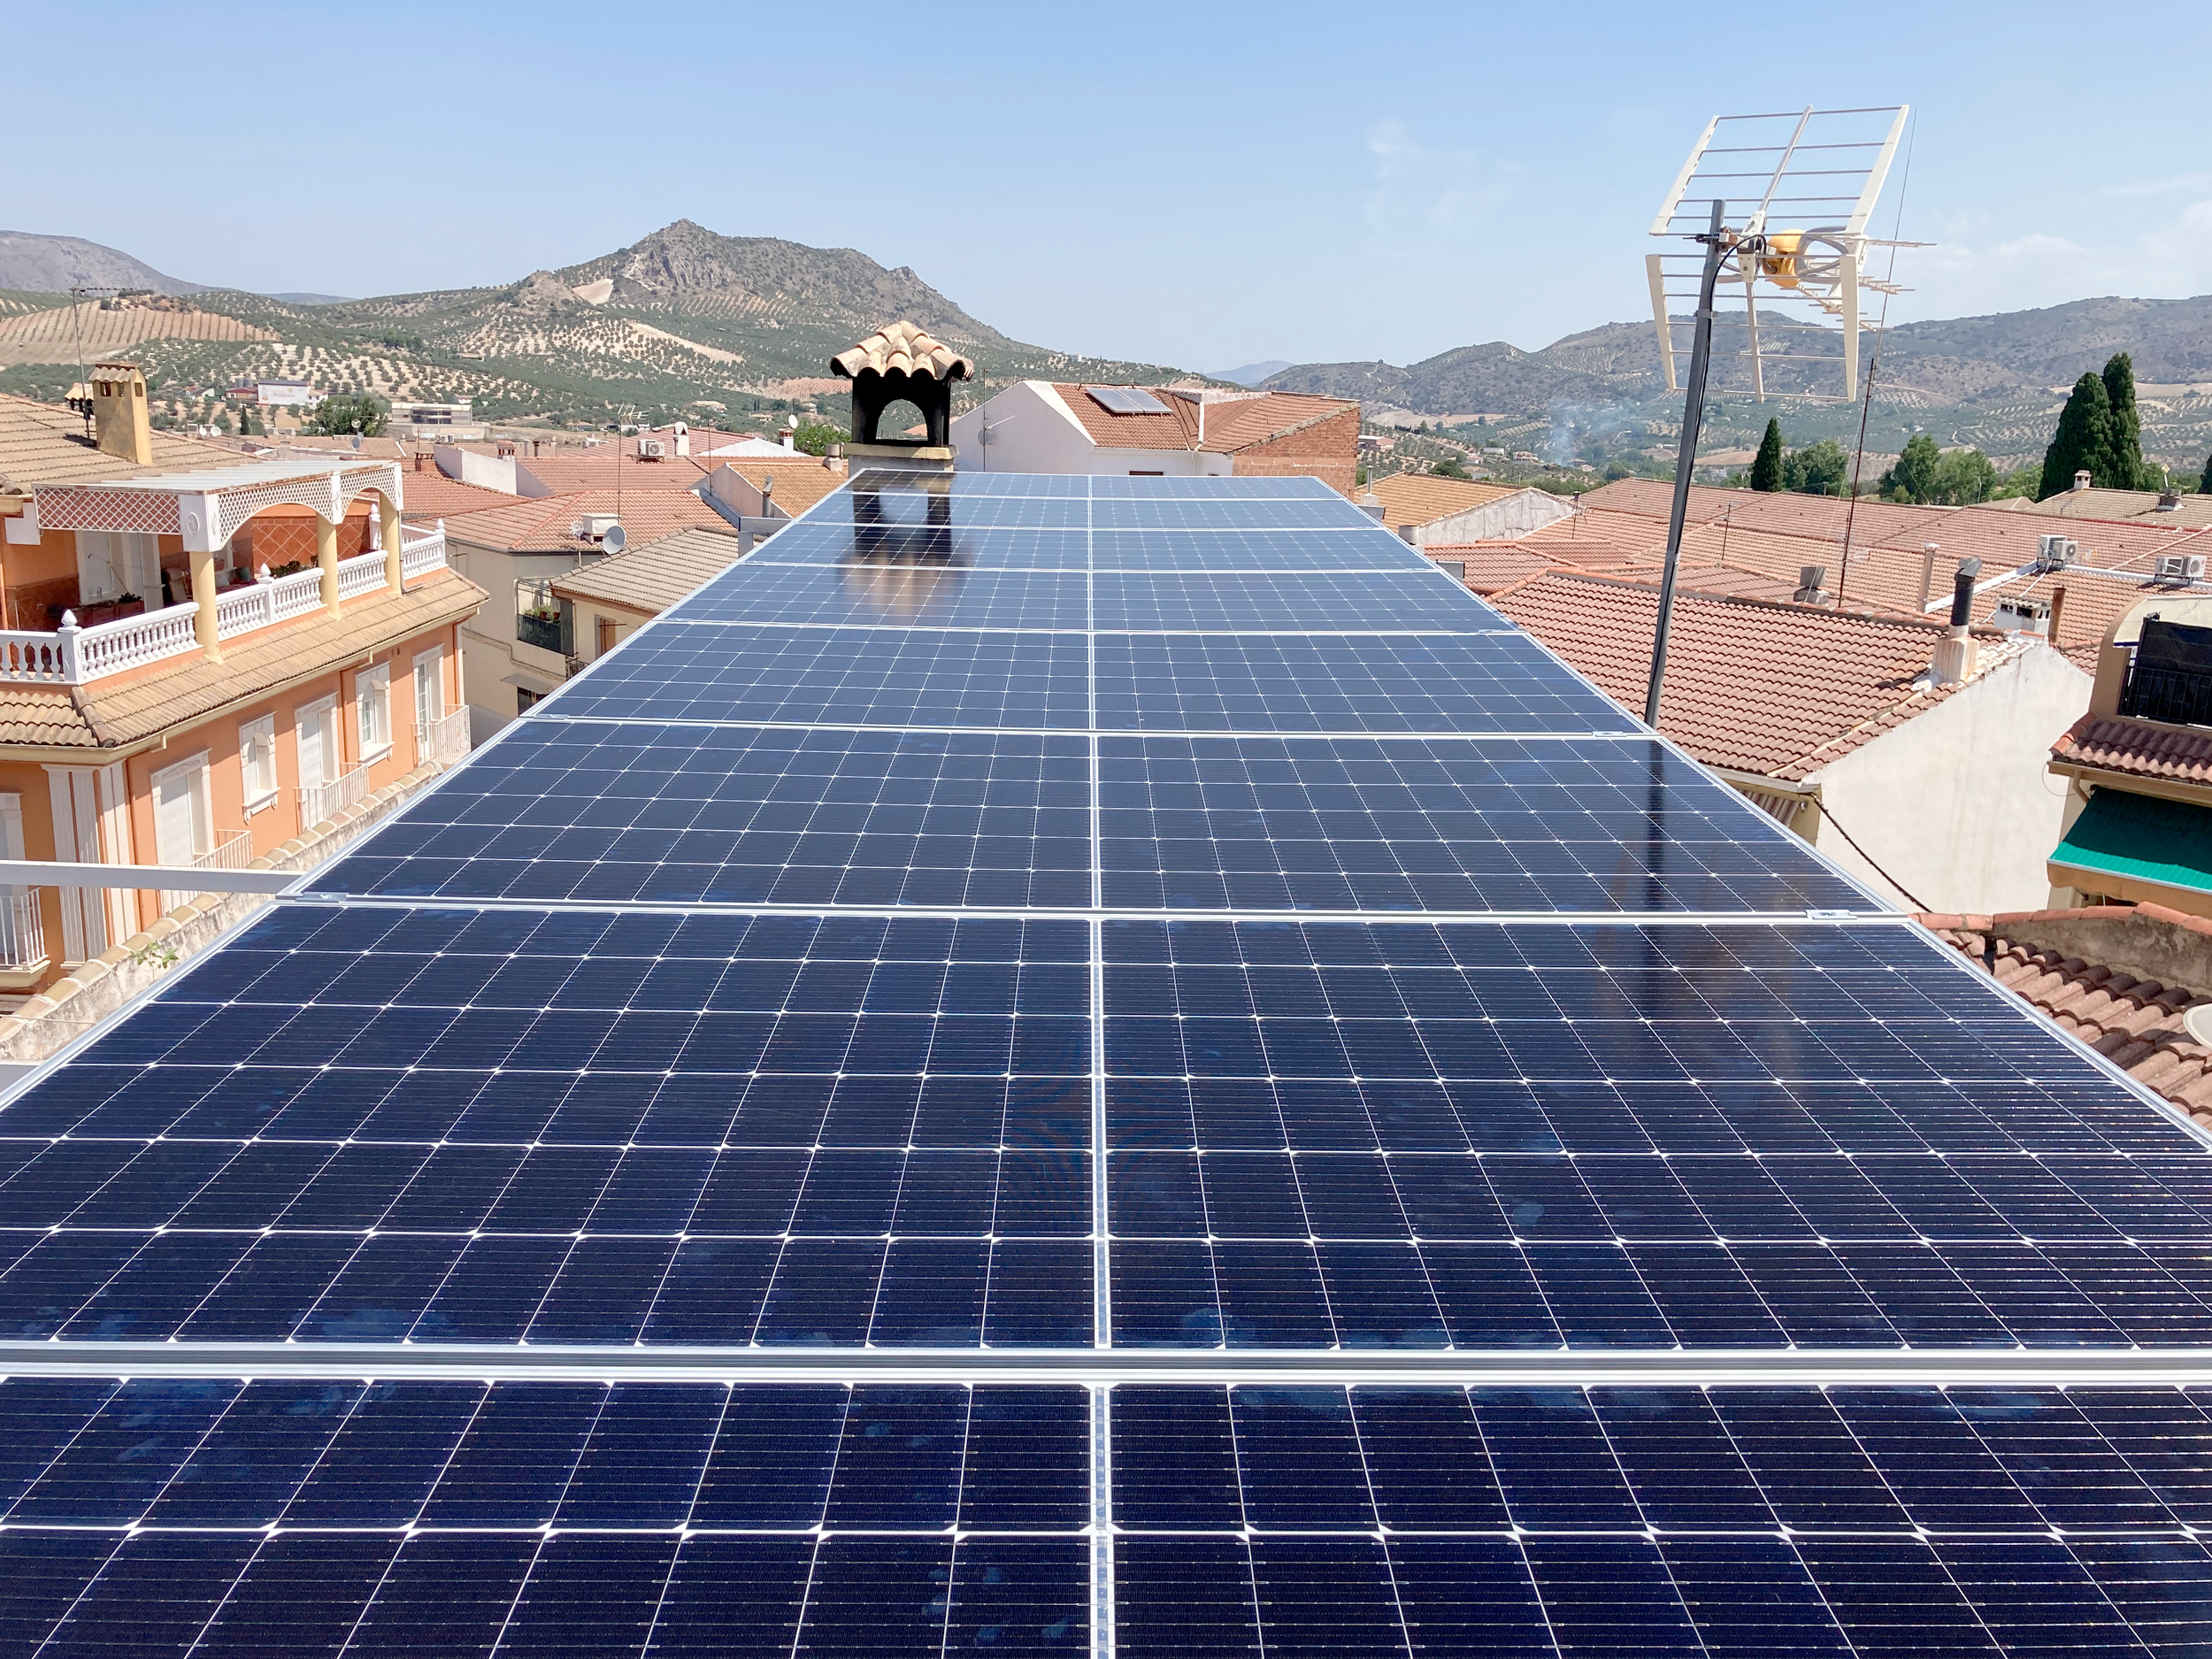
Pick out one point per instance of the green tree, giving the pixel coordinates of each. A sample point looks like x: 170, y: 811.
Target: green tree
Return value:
x: 2083, y: 441
x: 1818, y: 469
x: 2204, y: 484
x: 1962, y: 478
x: 1913, y: 478
x: 816, y: 436
x: 1450, y: 466
x: 2127, y: 425
x: 336, y: 416
x: 1766, y: 471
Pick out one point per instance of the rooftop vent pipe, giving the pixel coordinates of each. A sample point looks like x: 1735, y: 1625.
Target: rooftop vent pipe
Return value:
x: 1955, y: 652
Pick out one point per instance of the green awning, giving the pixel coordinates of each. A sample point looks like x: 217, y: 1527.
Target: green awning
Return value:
x: 2142, y: 838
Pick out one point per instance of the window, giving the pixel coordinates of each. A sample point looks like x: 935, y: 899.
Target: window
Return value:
x: 429, y: 690
x: 607, y: 634
x: 112, y: 562
x: 526, y: 699
x: 182, y: 831
x: 256, y: 762
x: 315, y: 729
x: 372, y: 707
x: 539, y: 617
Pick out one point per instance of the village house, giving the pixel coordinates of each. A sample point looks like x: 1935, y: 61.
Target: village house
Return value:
x: 1159, y: 431
x: 1426, y: 510
x: 205, y: 656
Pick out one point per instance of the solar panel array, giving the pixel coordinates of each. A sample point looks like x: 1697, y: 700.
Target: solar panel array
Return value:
x: 1085, y: 1066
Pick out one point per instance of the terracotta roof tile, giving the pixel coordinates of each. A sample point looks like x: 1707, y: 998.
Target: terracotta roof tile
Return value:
x: 430, y: 494
x: 2135, y: 1023
x: 1232, y: 423
x: 902, y: 347
x: 2139, y: 748
x: 1415, y: 498
x: 44, y: 443
x: 539, y: 524
x: 1781, y: 690
x: 651, y: 578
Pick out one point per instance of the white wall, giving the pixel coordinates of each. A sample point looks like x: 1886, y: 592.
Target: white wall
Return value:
x: 487, y: 471
x: 1032, y: 431
x: 1956, y: 804
x: 1509, y: 517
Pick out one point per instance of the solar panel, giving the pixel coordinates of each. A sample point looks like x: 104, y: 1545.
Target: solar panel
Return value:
x: 1125, y: 400
x: 1093, y: 1066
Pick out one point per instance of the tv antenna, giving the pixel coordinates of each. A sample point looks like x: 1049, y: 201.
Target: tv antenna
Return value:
x: 1804, y: 185
x: 1827, y: 166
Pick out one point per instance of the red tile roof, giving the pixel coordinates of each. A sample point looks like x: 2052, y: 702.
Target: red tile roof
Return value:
x: 2135, y: 1021
x: 1777, y: 689
x: 2139, y: 748
x: 1232, y: 425
x: 430, y: 494
x: 539, y: 524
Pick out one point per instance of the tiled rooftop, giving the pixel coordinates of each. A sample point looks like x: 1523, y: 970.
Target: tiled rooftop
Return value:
x: 653, y: 578
x: 540, y: 524
x: 44, y: 443
x: 1415, y: 498
x: 2139, y: 748
x: 1232, y: 424
x: 1777, y: 689
x: 2134, y: 1021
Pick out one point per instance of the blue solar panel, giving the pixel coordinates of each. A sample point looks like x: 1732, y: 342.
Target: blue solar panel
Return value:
x: 1048, y: 915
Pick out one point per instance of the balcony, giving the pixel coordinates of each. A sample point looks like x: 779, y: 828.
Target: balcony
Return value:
x: 321, y: 800
x: 443, y: 741
x: 22, y: 932
x: 2176, y: 695
x: 74, y: 656
x: 234, y: 851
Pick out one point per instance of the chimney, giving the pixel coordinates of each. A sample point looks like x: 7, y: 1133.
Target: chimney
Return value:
x: 2169, y: 501
x: 1371, y: 505
x: 1812, y: 581
x: 2081, y: 481
x: 120, y: 425
x: 2058, y: 609
x: 1955, y: 652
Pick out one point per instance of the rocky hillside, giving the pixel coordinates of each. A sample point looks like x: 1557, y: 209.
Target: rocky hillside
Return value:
x: 54, y: 265
x: 683, y: 318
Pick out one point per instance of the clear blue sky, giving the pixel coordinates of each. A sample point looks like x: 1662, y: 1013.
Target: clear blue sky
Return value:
x: 1193, y: 184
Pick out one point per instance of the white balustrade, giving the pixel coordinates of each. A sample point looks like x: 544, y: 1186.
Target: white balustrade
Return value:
x: 322, y: 800
x: 234, y: 851
x: 22, y: 930
x: 422, y: 552
x: 72, y: 656
x: 364, y: 574
x: 131, y: 642
x: 444, y: 739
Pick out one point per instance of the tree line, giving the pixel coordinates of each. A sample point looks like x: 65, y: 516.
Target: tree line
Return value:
x: 2100, y: 433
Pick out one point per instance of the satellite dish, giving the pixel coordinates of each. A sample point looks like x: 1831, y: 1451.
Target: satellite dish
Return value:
x: 615, y: 540
x: 2198, y: 1023
x: 1797, y: 192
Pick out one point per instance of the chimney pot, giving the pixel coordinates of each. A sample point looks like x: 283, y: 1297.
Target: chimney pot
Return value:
x: 2169, y: 500
x: 1955, y: 652
x: 122, y: 425
x: 2081, y: 479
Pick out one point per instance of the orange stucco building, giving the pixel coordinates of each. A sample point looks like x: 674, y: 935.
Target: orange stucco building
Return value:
x: 202, y: 655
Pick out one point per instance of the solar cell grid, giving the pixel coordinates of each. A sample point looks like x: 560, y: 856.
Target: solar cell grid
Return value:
x: 577, y: 1062
x: 1288, y: 600
x: 744, y: 815
x: 894, y: 595
x: 1263, y: 824
x: 1415, y: 682
x: 899, y: 678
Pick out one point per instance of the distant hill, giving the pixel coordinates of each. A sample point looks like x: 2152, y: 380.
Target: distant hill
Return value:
x: 682, y: 317
x: 54, y: 265
x: 311, y: 299
x: 1253, y: 374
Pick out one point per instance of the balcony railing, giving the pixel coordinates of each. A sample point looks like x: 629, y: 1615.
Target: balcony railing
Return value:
x: 2154, y: 691
x: 320, y: 801
x: 444, y: 739
x: 234, y: 851
x: 22, y: 931
x: 72, y: 656
x: 547, y: 634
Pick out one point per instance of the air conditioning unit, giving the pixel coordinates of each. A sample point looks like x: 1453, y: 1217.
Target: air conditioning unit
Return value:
x: 2056, y: 552
x: 2022, y: 616
x: 2180, y: 567
x: 651, y: 449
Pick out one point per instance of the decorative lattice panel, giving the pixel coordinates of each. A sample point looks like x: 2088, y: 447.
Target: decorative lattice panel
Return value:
x: 91, y: 508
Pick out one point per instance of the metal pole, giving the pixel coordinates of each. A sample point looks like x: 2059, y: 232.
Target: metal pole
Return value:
x: 1686, y: 459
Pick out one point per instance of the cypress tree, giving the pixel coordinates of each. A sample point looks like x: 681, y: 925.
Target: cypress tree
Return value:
x: 2127, y: 425
x: 2084, y: 438
x: 1766, y: 471
x: 2204, y: 484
